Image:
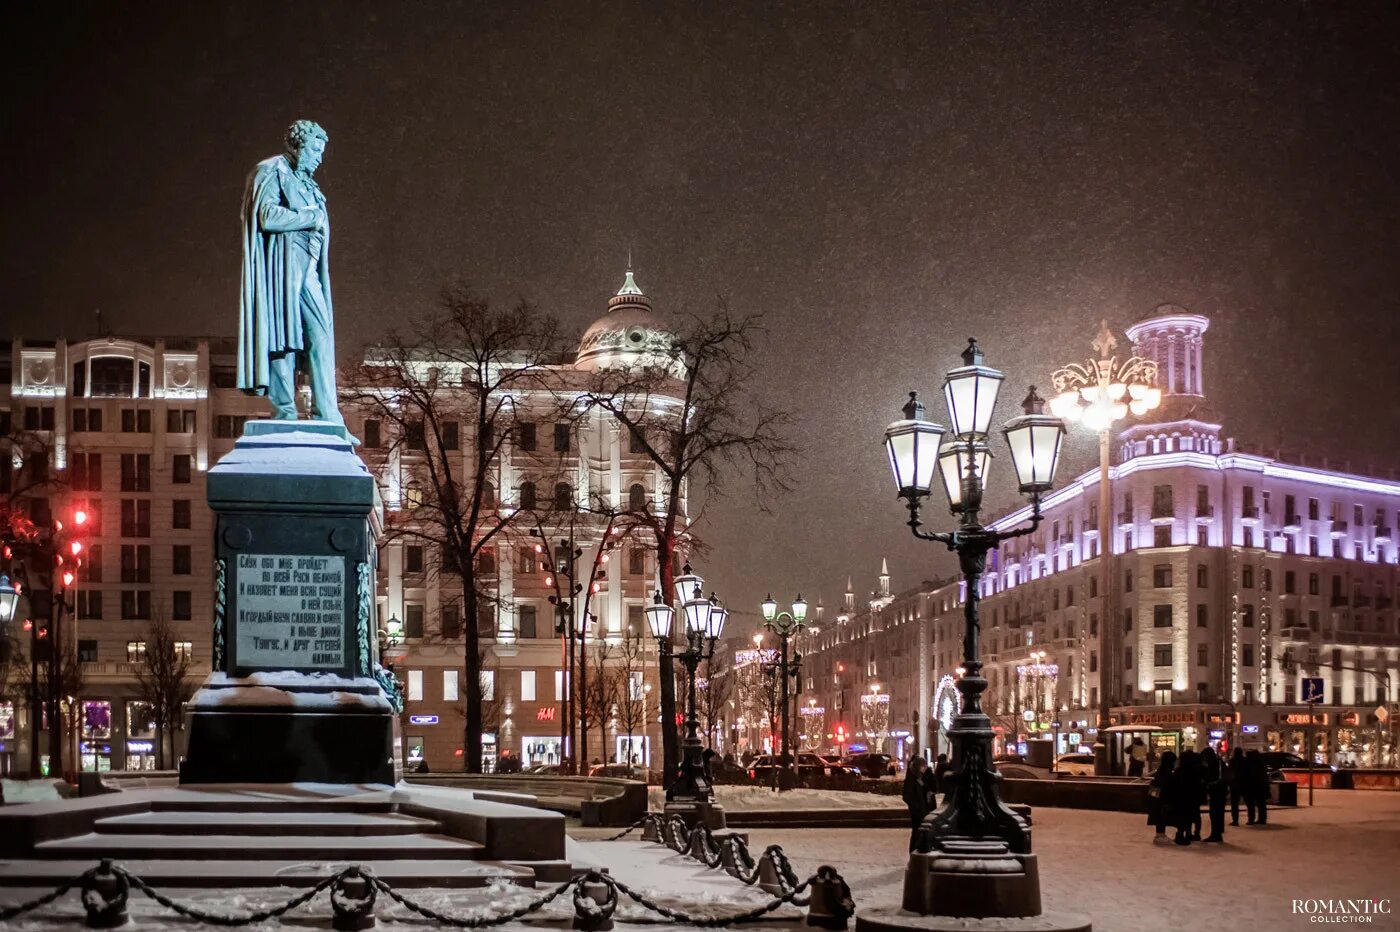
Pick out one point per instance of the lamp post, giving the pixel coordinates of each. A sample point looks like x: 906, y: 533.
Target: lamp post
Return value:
x: 786, y: 625
x: 973, y: 854
x: 689, y: 794
x: 1097, y: 394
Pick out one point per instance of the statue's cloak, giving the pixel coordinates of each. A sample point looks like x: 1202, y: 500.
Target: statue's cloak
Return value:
x: 274, y: 273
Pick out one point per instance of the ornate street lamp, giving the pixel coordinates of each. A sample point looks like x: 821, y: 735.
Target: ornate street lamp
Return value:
x: 1098, y: 393
x: 9, y: 600
x: 787, y: 626
x: 973, y: 842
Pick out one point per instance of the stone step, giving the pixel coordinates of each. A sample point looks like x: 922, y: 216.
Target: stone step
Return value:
x: 254, y: 848
x: 326, y: 824
x: 231, y: 803
x: 163, y: 873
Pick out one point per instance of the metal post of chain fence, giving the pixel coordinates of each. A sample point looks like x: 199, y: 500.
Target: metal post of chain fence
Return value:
x: 651, y: 831
x: 352, y: 901
x: 9, y: 912
x: 830, y: 904
x: 595, y: 899
x: 105, y: 892
x: 737, y: 861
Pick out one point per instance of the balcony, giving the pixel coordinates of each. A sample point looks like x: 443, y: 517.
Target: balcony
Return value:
x: 1205, y: 515
x: 1249, y: 514
x: 1088, y: 528
x: 110, y: 668
x: 1292, y: 523
x: 1339, y: 528
x: 1367, y: 638
x: 1300, y: 633
x: 1361, y: 601
x: 1384, y: 535
x: 1125, y: 519
x: 1339, y: 600
x: 1163, y: 516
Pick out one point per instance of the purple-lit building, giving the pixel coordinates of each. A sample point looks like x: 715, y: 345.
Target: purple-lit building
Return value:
x: 1234, y: 574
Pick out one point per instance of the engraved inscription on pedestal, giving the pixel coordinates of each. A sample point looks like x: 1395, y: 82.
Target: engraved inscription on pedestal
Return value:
x: 291, y: 611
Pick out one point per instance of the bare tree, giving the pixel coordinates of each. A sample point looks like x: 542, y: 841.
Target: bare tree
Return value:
x: 715, y: 692
x: 632, y: 693
x: 457, y: 370
x: 717, y: 427
x: 164, y: 683
x: 599, y: 697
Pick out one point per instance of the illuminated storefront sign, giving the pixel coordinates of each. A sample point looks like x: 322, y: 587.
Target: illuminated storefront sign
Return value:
x: 1302, y: 718
x: 422, y: 719
x: 1162, y: 718
x: 1249, y: 729
x: 140, y: 747
x: 545, y: 713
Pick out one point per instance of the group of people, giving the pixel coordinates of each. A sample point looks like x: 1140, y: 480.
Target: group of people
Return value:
x: 1181, y: 785
x: 922, y: 786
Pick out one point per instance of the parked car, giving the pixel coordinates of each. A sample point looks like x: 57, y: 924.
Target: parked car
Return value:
x: 762, y: 766
x: 1076, y: 764
x: 545, y: 769
x: 871, y: 764
x: 625, y: 771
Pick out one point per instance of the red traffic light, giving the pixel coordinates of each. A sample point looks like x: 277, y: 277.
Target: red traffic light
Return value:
x: 75, y: 547
x: 29, y: 624
x: 80, y: 517
x: 68, y: 578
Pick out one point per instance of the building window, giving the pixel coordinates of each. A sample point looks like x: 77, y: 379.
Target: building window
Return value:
x: 1202, y: 655
x: 1247, y: 655
x: 1290, y: 582
x: 413, y: 559
x: 1093, y: 625
x: 1127, y: 658
x: 1128, y: 581
x: 136, y: 472
x: 1203, y: 536
x: 415, y: 685
x: 184, y: 650
x: 413, y: 619
x: 181, y: 605
x: 180, y: 468
x: 1161, y: 655
x: 180, y: 513
x: 228, y: 426
x: 1093, y: 661
x: 90, y: 604
x: 1162, y: 576
x: 36, y: 418
x: 525, y: 437
x: 637, y: 497
x: 1161, y: 536
x: 179, y: 420
x: 136, y: 605
x: 636, y: 621
x: 180, y: 560
x: 1202, y: 576
x: 563, y: 496
x: 451, y: 620
x: 1313, y: 584
x: 135, y: 651
x: 1162, y: 693
x: 562, y: 435
x: 527, y: 495
x: 136, y: 563
x: 85, y: 472
x: 87, y: 651
x: 1247, y: 616
x: 371, y: 432
x: 525, y: 562
x: 1127, y: 619
x: 1162, y: 502
x: 636, y: 441
x: 1093, y: 587
x: 1202, y: 616
x: 451, y: 435
x: 449, y: 686
x: 488, y: 685
x: 528, y: 622
x: 636, y: 561
x: 527, y: 685
x: 1161, y: 616
x: 559, y: 688
x: 87, y: 420
x: 136, y: 421
x: 1246, y: 577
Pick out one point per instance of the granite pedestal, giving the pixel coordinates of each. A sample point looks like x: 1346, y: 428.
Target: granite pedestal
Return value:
x: 297, y: 693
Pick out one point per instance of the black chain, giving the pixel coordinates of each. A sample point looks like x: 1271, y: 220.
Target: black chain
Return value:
x: 215, y: 918
x: 475, y: 923
x: 629, y: 829
x: 10, y: 912
x: 711, y: 921
x: 745, y: 867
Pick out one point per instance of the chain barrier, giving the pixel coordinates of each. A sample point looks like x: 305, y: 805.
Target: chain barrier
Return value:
x: 629, y: 829
x: 354, y: 891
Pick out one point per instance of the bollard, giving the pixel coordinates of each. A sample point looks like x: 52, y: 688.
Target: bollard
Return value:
x: 651, y: 829
x: 698, y: 849
x: 829, y: 905
x: 594, y: 902
x: 104, y: 897
x: 770, y: 879
x: 352, y: 901
x: 729, y: 859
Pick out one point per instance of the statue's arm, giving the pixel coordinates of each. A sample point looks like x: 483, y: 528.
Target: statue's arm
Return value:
x: 274, y: 218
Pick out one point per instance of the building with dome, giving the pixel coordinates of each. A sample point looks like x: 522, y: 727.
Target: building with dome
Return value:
x: 128, y: 429
x: 1235, y: 575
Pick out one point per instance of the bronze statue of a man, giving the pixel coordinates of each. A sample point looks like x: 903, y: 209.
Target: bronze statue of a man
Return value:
x: 286, y: 317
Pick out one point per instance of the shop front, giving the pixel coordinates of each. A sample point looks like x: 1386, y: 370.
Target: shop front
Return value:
x: 537, y: 750
x: 95, y: 744
x: 140, y: 737
x: 8, y: 732
x: 633, y: 750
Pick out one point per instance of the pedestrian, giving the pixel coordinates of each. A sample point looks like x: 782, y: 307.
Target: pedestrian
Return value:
x: 1137, y: 758
x: 1213, y: 775
x: 935, y: 781
x: 422, y: 766
x: 708, y: 758
x: 1257, y: 788
x: 1187, y: 792
x: 914, y: 797
x: 1235, y: 776
x: 1159, y: 794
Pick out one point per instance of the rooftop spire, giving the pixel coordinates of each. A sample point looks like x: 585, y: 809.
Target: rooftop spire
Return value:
x: 629, y: 284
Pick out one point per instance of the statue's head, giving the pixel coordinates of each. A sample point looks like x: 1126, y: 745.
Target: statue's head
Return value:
x: 306, y: 145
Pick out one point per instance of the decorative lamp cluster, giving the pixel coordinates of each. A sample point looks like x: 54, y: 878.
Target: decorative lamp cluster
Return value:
x: 703, y: 617
x: 915, y: 444
x: 1104, y: 390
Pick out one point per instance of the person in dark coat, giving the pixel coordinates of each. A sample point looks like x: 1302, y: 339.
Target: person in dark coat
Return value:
x: 1213, y: 775
x: 1159, y: 794
x: 939, y: 779
x: 1256, y: 788
x: 914, y: 796
x: 1187, y: 792
x: 1235, y: 773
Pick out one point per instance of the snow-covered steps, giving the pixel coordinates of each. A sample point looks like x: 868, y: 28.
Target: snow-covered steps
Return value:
x: 260, y: 847
x: 182, y: 872
x: 208, y: 822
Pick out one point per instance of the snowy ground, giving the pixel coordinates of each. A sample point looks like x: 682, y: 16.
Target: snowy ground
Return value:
x: 750, y: 798
x: 1101, y: 863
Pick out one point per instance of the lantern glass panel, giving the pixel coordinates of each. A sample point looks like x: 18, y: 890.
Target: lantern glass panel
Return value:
x: 1035, y: 449
x: 971, y: 394
x: 659, y: 618
x: 912, y: 447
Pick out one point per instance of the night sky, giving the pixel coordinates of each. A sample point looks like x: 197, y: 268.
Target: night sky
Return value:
x: 881, y: 180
